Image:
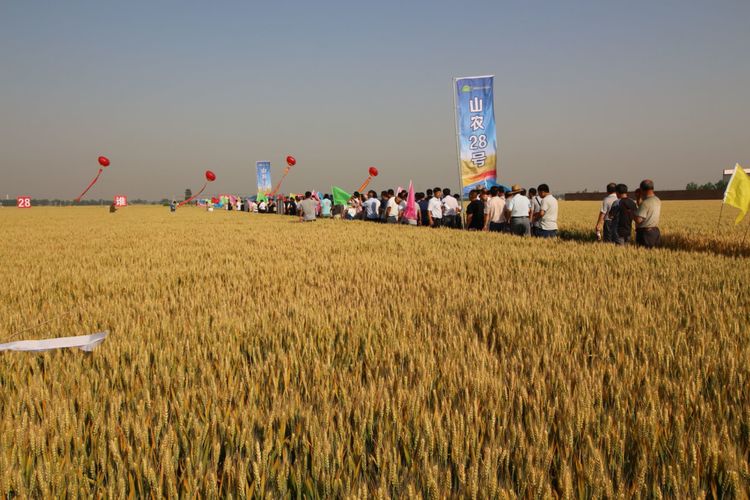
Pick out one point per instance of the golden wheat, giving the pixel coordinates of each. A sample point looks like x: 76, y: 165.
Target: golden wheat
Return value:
x: 254, y: 356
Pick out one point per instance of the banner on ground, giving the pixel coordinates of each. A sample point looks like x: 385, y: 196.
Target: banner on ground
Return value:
x: 264, y: 176
x: 83, y: 342
x: 475, y: 128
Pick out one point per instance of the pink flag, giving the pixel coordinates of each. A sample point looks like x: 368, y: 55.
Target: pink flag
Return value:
x: 411, y: 204
x: 317, y: 199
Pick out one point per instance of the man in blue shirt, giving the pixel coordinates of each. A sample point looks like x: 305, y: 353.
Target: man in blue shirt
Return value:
x: 372, y: 207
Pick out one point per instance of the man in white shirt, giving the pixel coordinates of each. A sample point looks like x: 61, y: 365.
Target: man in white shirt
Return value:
x: 451, y: 209
x: 372, y: 207
x: 547, y: 213
x: 518, y: 208
x: 435, y: 209
x: 604, y: 219
x: 391, y: 209
x: 495, y: 210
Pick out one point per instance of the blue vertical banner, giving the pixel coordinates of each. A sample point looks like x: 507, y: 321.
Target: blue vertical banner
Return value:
x: 264, y: 177
x: 475, y: 128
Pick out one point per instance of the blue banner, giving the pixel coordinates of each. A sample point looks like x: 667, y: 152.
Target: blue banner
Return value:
x: 477, y: 140
x: 264, y: 176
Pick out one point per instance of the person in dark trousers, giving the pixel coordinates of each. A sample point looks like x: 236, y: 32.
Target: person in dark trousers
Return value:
x: 621, y: 213
x: 604, y: 230
x: 474, y: 212
x: 536, y: 205
x: 646, y: 219
x: 547, y: 213
x: 423, y: 201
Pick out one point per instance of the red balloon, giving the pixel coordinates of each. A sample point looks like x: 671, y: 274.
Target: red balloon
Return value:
x: 210, y: 176
x: 103, y: 161
x: 291, y: 161
x: 373, y: 171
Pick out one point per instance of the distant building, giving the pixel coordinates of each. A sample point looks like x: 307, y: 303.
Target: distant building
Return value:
x: 728, y: 173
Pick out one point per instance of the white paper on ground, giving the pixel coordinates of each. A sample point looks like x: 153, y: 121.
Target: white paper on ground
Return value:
x: 83, y: 342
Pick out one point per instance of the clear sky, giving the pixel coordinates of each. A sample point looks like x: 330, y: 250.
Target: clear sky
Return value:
x: 585, y: 92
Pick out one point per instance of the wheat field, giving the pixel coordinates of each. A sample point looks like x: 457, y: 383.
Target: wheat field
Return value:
x: 253, y: 356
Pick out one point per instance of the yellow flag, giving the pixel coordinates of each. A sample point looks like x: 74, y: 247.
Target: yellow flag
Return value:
x: 738, y: 192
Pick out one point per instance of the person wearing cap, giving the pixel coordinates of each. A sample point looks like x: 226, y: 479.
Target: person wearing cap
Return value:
x: 646, y: 219
x: 518, y: 209
x: 605, y: 221
x: 547, y: 215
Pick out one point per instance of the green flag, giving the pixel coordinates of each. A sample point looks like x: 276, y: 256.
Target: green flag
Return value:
x: 340, y: 197
x: 261, y: 197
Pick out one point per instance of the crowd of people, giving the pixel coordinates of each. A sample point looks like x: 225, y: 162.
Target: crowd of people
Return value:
x: 619, y: 212
x: 491, y: 209
x: 517, y: 211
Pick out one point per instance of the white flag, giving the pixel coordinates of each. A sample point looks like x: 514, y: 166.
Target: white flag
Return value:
x: 83, y: 342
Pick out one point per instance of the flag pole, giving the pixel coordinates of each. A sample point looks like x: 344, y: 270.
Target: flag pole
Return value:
x: 720, y: 211
x: 458, y: 147
x: 745, y: 236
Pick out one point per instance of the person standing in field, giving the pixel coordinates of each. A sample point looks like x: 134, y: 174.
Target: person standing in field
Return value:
x: 372, y: 207
x: 325, y: 207
x: 451, y: 209
x: 621, y: 213
x: 536, y: 204
x: 417, y: 220
x: 383, y: 205
x: 435, y: 209
x: 547, y: 213
x: 646, y: 219
x: 604, y: 230
x: 495, y: 210
x: 307, y: 208
x: 391, y: 208
x: 291, y: 207
x: 422, y: 202
x: 474, y: 212
x: 518, y: 209
x: 401, y: 199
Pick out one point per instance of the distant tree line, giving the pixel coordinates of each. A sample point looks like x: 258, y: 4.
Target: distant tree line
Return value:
x: 709, y: 186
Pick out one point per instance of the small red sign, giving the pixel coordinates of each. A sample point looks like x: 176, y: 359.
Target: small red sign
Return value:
x: 121, y: 200
x: 23, y: 201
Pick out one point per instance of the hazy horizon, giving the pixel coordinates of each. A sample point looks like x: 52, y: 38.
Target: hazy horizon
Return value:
x: 585, y: 93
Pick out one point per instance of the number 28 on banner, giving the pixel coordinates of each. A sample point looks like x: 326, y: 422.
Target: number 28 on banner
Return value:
x: 23, y: 201
x: 121, y: 201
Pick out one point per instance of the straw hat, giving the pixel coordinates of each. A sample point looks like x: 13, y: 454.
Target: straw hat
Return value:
x: 515, y: 189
